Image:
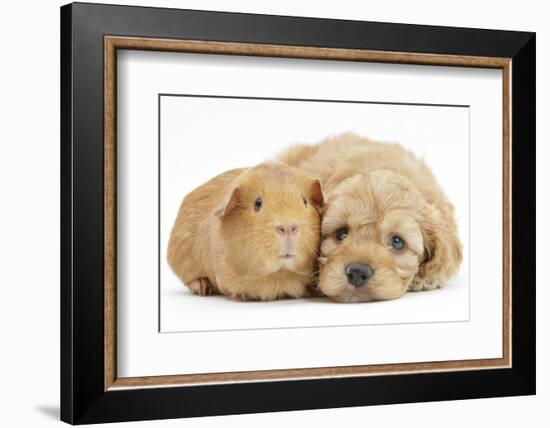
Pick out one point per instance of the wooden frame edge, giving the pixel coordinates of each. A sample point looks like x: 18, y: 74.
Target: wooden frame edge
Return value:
x: 298, y: 374
x: 507, y: 213
x: 301, y: 52
x: 112, y: 43
x: 110, y: 214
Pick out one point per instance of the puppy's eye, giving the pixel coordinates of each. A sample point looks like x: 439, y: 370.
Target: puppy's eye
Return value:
x: 305, y: 201
x: 257, y: 204
x: 397, y: 242
x: 342, y: 233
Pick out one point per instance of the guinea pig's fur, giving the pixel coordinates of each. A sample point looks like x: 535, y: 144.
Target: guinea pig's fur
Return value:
x: 374, y: 193
x: 251, y: 234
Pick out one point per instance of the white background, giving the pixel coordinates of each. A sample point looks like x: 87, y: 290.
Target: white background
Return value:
x: 249, y: 131
x: 438, y: 134
x: 29, y: 172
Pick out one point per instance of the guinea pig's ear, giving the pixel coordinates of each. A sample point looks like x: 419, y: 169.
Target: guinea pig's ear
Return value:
x: 442, y: 247
x: 316, y: 194
x: 231, y: 203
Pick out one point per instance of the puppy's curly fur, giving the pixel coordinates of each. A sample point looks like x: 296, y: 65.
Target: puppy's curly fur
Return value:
x: 375, y: 192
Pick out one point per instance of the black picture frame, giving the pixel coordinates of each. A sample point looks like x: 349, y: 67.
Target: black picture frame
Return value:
x: 83, y: 396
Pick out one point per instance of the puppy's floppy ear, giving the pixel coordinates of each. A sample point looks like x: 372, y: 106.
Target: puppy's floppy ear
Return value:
x: 231, y: 203
x: 316, y: 194
x: 442, y: 247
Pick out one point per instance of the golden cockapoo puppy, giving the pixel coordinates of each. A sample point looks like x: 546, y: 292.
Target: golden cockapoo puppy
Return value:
x: 251, y: 234
x: 387, y: 227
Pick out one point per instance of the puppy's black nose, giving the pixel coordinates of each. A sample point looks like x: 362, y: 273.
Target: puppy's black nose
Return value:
x: 358, y: 273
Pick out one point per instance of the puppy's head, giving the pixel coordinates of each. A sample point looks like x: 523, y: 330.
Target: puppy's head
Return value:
x: 270, y: 221
x: 378, y: 233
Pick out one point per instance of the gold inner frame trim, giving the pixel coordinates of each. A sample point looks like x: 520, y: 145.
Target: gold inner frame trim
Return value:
x: 113, y: 43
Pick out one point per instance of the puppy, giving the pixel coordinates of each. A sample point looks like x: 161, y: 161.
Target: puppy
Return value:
x: 251, y: 234
x: 387, y: 226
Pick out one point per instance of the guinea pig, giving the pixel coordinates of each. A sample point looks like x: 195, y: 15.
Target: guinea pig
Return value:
x: 387, y: 226
x: 250, y: 234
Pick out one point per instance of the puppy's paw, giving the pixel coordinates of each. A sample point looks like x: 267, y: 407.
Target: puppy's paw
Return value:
x: 201, y: 287
x: 424, y: 284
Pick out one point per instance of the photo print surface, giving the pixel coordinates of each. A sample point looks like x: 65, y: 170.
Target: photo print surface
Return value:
x: 201, y: 137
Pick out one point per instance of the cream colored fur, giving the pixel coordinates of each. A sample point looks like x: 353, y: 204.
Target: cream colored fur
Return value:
x: 378, y: 190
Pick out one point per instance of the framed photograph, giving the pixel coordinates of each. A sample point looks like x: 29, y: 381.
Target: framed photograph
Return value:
x: 266, y: 213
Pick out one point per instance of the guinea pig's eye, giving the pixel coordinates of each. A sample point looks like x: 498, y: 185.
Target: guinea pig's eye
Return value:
x: 305, y: 201
x: 397, y: 242
x: 257, y: 204
x: 342, y: 233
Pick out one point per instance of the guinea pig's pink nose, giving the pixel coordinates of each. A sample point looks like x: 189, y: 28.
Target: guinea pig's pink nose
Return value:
x: 287, y: 229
